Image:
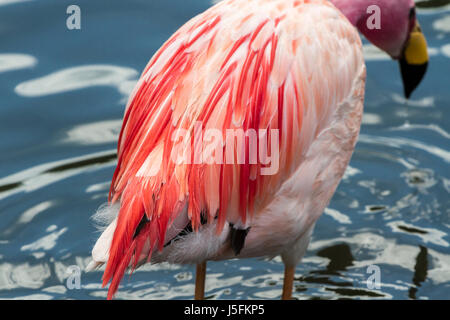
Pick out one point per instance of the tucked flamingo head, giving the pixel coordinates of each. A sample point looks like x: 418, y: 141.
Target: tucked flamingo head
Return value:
x: 392, y: 26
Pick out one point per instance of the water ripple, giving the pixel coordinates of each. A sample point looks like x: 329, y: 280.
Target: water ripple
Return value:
x: 6, y: 2
x: 81, y: 77
x: 45, y: 174
x: 16, y: 61
x: 94, y: 133
x: 405, y: 143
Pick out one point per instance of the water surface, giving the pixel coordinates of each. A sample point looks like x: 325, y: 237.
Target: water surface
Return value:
x: 62, y: 96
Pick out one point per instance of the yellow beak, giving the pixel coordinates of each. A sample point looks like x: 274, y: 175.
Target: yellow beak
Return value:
x: 414, y: 61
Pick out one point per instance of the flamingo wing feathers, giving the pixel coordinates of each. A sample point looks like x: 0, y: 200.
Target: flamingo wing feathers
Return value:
x: 231, y: 68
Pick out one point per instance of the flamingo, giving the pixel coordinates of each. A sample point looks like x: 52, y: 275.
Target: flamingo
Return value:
x: 287, y: 79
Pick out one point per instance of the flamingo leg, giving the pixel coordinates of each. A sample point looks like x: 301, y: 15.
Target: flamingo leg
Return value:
x: 200, y: 281
x: 288, y: 283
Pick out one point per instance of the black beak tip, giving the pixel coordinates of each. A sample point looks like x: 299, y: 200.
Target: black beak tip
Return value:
x: 408, y: 93
x: 412, y: 75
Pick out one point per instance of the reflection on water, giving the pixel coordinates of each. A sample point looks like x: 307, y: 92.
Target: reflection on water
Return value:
x: 95, y: 133
x: 77, y: 78
x: 420, y: 271
x: 61, y: 111
x: 340, y: 257
x: 442, y: 25
x: 431, y: 3
x: 5, y: 2
x: 43, y: 175
x: 9, y: 62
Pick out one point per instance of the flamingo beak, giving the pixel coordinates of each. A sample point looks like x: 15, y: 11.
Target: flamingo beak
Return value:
x: 414, y: 61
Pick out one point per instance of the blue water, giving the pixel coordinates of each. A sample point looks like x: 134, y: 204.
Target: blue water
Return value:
x: 62, y: 96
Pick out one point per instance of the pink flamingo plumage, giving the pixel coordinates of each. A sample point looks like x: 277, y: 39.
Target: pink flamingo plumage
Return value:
x: 293, y: 66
